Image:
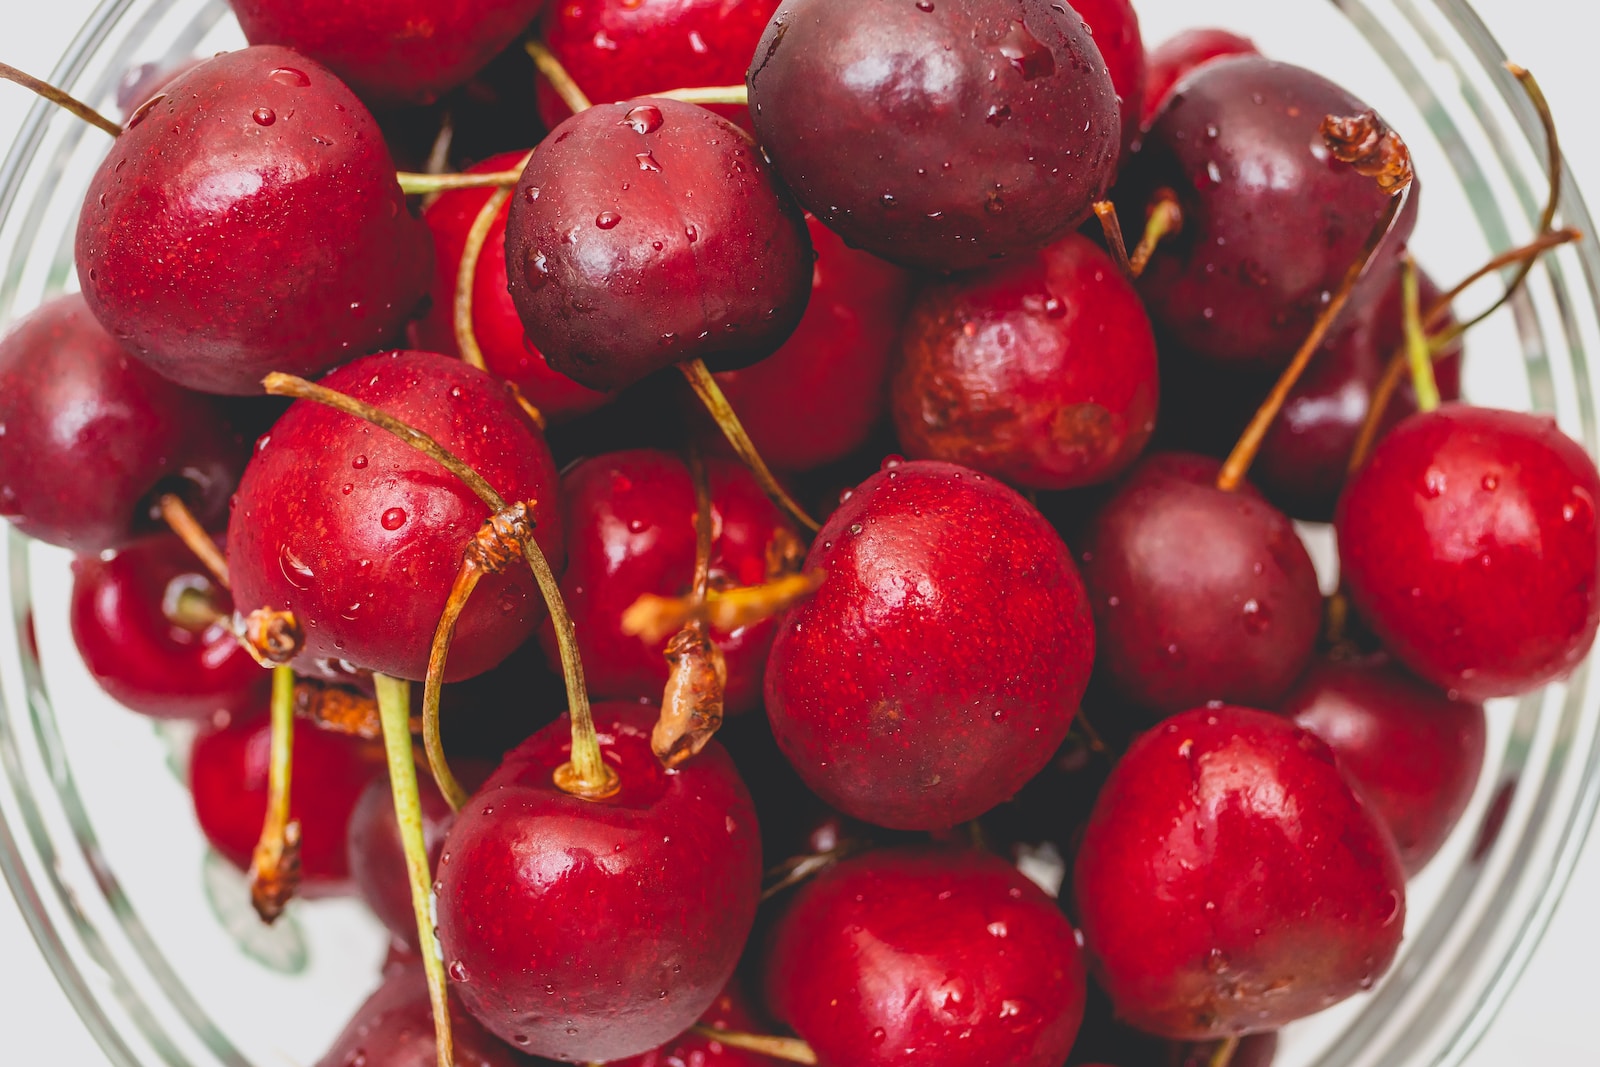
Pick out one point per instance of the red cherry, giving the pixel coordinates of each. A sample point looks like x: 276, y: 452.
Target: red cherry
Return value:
x: 1169, y: 61
x: 1114, y: 24
x: 943, y: 658
x: 927, y: 956
x: 730, y: 1011
x: 377, y: 861
x: 1468, y: 543
x: 1230, y: 881
x: 595, y: 929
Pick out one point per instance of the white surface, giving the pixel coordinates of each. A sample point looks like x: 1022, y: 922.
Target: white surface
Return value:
x: 1547, y: 1019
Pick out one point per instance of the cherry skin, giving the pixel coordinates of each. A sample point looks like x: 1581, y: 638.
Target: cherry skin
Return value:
x: 506, y: 349
x: 361, y: 536
x: 1004, y: 147
x: 1041, y: 371
x: 1230, y: 881
x: 629, y: 531
x: 1468, y: 543
x: 90, y: 437
x: 942, y: 660
x: 927, y: 956
x: 377, y: 861
x: 1412, y: 751
x: 1114, y: 25
x: 228, y: 777
x: 590, y: 930
x: 730, y: 1011
x: 1198, y: 594
x: 817, y: 399
x: 391, y: 50
x: 208, y: 245
x: 1168, y: 62
x: 649, y: 232
x: 153, y: 630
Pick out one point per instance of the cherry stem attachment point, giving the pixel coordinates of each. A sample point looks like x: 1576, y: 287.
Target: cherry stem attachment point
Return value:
x: 1111, y: 226
x: 176, y: 514
x: 275, y: 864
x: 60, y: 98
x: 394, y: 708
x: 789, y: 1049
x: 1417, y: 353
x: 413, y: 183
x: 710, y: 94
x: 556, y: 74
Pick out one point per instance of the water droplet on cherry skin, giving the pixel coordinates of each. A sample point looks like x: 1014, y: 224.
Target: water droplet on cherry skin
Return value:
x: 646, y: 118
x: 393, y: 519
x: 359, y: 463
x: 264, y: 116
x: 457, y: 971
x: 607, y: 220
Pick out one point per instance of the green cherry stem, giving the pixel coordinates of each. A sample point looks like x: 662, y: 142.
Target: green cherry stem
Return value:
x: 414, y: 183
x: 710, y: 94
x: 788, y: 1049
x: 1417, y: 353
x: 275, y: 864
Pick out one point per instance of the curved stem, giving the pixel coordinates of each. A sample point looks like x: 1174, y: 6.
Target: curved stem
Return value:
x: 1222, y: 1055
x: 467, y: 276
x: 467, y: 578
x: 710, y: 94
x: 60, y: 98
x: 418, y: 184
x: 275, y: 865
x: 710, y: 394
x: 574, y: 97
x: 1164, y: 219
x: 176, y: 514
x: 789, y: 1049
x: 394, y: 708
x: 1111, y: 226
x: 652, y: 617
x: 1417, y: 354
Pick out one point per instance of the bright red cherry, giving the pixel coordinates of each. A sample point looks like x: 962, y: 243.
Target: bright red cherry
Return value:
x: 730, y: 1011
x: 377, y: 860
x: 1175, y: 57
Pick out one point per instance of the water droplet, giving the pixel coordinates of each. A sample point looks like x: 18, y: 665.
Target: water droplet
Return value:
x: 998, y: 113
x: 997, y: 929
x: 393, y: 519
x: 531, y: 193
x: 1216, y: 961
x: 359, y: 463
x: 607, y: 220
x: 1490, y: 483
x: 264, y: 116
x: 347, y: 488
x: 1029, y: 55
x: 290, y: 76
x: 855, y: 527
x: 1256, y: 616
x: 691, y: 233
x: 1055, y: 307
x: 646, y: 118
x: 572, y: 1031
x: 458, y: 971
x: 648, y: 162
x: 293, y: 566
x: 879, y: 1034
x: 1434, y: 483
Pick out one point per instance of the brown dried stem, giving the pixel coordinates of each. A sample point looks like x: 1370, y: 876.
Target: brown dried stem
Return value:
x: 272, y: 637
x: 60, y: 98
x: 339, y: 710
x: 651, y: 618
x: 789, y: 1049
x: 275, y: 864
x: 176, y: 514
x: 1163, y: 219
x: 1111, y: 226
x: 1368, y: 144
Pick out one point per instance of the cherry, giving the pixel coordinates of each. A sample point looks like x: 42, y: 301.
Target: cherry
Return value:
x: 377, y: 861
x: 1412, y: 751
x: 391, y: 50
x: 818, y: 398
x: 942, y: 660
x: 730, y: 1011
x: 1468, y: 543
x: 506, y: 349
x: 630, y: 530
x: 1168, y: 62
x: 248, y: 220
x: 1198, y: 594
x: 228, y: 777
x: 1230, y: 881
x: 616, y: 49
x: 1000, y: 146
x: 153, y: 630
x: 1041, y: 371
x: 360, y: 535
x: 90, y: 437
x: 927, y: 956
x: 1114, y: 25
x: 591, y: 930
x: 394, y: 1028
x: 650, y: 232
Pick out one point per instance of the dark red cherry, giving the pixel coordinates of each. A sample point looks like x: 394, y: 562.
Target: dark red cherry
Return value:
x: 1168, y: 62
x: 155, y: 631
x: 927, y: 956
x: 361, y: 536
x: 818, y: 398
x: 248, y: 220
x: 616, y: 49
x: 228, y: 777
x: 1468, y: 543
x: 1271, y: 222
x: 730, y: 1011
x: 391, y: 50
x: 1000, y: 145
x: 1198, y: 594
x: 394, y: 1028
x: 942, y: 660
x: 591, y: 930
x: 650, y: 232
x: 1041, y: 371
x: 507, y: 352
x: 1230, y: 881
x: 377, y: 862
x: 1412, y: 751
x: 90, y: 437
x: 1114, y: 25
x: 630, y: 531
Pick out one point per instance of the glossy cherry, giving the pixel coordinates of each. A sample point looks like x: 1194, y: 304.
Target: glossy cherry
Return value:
x: 377, y: 862
x: 90, y: 437
x: 1114, y: 25
x: 154, y: 630
x: 730, y: 1011
x: 1001, y: 146
x: 649, y: 232
x: 1168, y: 62
x: 942, y: 660
x: 1469, y: 544
x: 1230, y: 881
x: 591, y: 930
x: 248, y: 220
x: 1040, y: 371
x: 360, y: 535
x: 927, y: 956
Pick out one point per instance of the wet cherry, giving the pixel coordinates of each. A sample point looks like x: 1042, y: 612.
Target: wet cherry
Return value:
x: 730, y: 1011
x: 1114, y: 24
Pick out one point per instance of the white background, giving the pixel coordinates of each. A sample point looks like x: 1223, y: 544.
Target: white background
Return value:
x: 1550, y: 1018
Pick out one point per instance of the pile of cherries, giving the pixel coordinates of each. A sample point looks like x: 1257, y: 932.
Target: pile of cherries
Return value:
x: 1041, y: 614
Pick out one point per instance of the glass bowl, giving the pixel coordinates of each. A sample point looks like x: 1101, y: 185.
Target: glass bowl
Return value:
x: 151, y: 937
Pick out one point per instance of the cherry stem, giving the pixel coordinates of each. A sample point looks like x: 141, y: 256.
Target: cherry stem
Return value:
x: 702, y: 526
x: 1417, y: 353
x: 1222, y: 1055
x: 1106, y: 212
x: 275, y: 864
x: 193, y: 609
x: 413, y: 183
x: 467, y: 271
x: 710, y: 94
x: 710, y: 393
x: 177, y: 515
x: 467, y: 578
x: 60, y: 98
x: 1091, y: 735
x: 1163, y: 219
x: 556, y: 74
x: 343, y: 711
x: 652, y: 617
x: 1238, y: 462
x: 790, y: 1049
x: 394, y: 709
